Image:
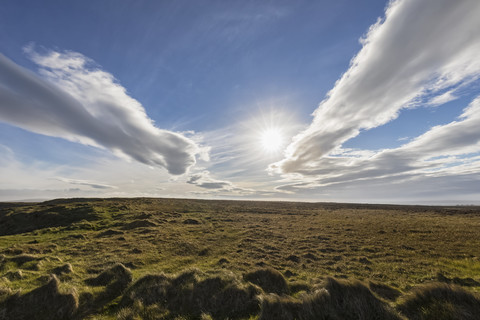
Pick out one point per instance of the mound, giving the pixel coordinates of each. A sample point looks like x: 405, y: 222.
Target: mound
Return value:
x: 66, y: 268
x: 336, y: 300
x: 192, y: 293
x: 191, y: 221
x: 440, y: 301
x: 308, y: 307
x: 15, y: 222
x: 270, y: 280
x: 384, y: 291
x: 109, y: 232
x: 45, y: 302
x: 353, y: 300
x: 14, y: 275
x: 116, y: 279
x: 22, y: 259
x: 149, y: 289
x: 139, y: 224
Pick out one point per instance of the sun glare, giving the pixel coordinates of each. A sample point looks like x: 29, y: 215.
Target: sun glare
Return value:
x: 271, y: 140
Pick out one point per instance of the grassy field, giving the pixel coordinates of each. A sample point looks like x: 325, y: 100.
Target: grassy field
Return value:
x: 198, y: 259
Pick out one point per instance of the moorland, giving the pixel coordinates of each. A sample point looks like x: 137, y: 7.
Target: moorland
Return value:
x: 146, y: 258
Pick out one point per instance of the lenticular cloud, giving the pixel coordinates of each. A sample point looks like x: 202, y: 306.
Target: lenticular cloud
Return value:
x: 77, y: 101
x: 425, y: 48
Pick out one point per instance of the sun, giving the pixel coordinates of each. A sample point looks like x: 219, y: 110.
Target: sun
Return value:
x: 271, y: 140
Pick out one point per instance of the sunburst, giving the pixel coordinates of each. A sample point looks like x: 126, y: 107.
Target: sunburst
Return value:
x: 271, y: 140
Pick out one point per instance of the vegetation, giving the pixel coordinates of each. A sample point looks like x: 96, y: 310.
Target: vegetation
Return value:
x: 198, y: 259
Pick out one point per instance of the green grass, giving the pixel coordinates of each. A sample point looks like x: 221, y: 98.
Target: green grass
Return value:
x: 398, y: 247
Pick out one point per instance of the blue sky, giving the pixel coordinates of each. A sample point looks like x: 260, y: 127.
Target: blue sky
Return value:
x: 350, y: 101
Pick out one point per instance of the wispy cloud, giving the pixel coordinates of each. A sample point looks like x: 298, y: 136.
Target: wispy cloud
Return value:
x: 92, y: 184
x: 77, y: 101
x: 419, y: 50
x: 450, y: 150
x: 405, y: 188
x: 443, y: 98
x: 204, y: 180
x: 105, y: 176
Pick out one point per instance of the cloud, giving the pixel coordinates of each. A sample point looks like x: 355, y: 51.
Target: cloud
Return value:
x: 77, y: 101
x: 203, y: 180
x: 421, y: 49
x: 107, y: 176
x: 92, y: 184
x: 406, y: 188
x: 448, y: 150
x: 443, y: 98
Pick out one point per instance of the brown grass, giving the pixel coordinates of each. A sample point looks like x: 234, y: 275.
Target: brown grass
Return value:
x: 115, y: 279
x: 237, y: 253
x: 439, y: 301
x: 269, y: 279
x: 45, y: 302
x: 335, y: 299
x: 65, y: 269
x: 384, y: 291
x: 192, y: 293
x: 353, y: 300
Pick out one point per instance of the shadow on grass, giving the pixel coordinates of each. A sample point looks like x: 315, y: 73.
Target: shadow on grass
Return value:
x: 19, y: 221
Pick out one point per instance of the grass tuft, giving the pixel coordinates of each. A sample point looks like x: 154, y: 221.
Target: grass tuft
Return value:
x: 65, y: 269
x: 353, y: 300
x: 192, y: 293
x: 148, y: 290
x: 336, y: 300
x: 269, y: 279
x: 22, y: 259
x: 384, y: 291
x: 440, y: 301
x: 45, y: 302
x: 116, y: 279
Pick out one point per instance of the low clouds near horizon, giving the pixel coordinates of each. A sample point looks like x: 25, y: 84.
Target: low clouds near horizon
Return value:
x: 80, y: 103
x: 421, y: 53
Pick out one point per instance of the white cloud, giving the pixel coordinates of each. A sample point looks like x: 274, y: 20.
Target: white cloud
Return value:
x: 103, y: 176
x: 420, y: 49
x: 79, y: 102
x: 444, y: 153
x: 204, y: 180
x: 443, y: 98
x: 407, y: 188
x: 93, y: 184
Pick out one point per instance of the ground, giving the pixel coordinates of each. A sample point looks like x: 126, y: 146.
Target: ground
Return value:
x: 389, y: 250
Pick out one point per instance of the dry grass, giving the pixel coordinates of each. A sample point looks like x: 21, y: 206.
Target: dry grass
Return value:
x: 45, y: 302
x: 384, y: 291
x: 440, y: 301
x: 335, y: 299
x: 127, y: 258
x: 270, y: 280
x: 192, y: 293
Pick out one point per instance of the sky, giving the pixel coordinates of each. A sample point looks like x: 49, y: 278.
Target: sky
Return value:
x: 341, y: 101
